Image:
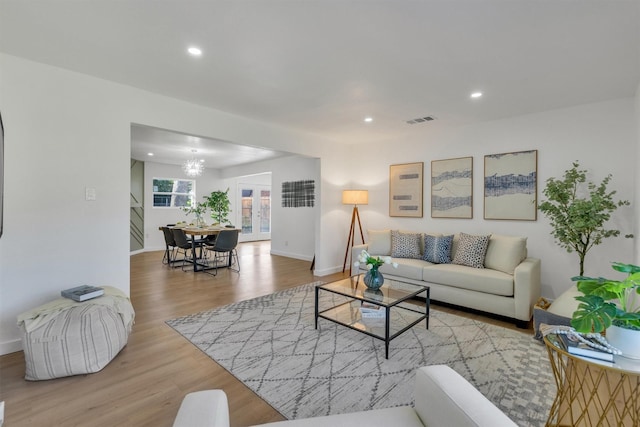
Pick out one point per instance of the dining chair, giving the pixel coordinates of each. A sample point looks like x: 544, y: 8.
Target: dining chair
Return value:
x: 224, y: 251
x: 170, y: 245
x: 184, y: 244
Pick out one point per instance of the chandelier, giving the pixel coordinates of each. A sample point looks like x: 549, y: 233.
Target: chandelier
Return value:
x: 193, y: 167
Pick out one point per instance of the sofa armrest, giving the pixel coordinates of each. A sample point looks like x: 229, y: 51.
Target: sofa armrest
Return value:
x: 444, y: 398
x: 526, y: 288
x: 208, y: 408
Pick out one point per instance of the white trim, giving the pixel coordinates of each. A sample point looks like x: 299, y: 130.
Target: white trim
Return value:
x: 10, y: 347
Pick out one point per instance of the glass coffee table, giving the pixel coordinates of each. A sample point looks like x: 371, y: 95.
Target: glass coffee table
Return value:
x: 344, y: 301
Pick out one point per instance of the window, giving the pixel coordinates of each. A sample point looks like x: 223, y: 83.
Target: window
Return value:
x: 173, y: 192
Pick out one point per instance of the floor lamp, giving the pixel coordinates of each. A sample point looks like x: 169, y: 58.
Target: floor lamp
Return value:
x: 355, y: 198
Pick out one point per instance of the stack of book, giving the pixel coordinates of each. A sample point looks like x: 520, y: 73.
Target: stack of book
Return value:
x: 573, y: 346
x: 372, y: 311
x: 82, y: 293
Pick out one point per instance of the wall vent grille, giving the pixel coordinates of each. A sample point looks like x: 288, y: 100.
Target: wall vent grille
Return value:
x: 421, y: 120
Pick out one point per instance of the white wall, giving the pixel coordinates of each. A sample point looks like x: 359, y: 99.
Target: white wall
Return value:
x: 157, y: 217
x: 603, y: 137
x: 636, y: 207
x: 74, y: 132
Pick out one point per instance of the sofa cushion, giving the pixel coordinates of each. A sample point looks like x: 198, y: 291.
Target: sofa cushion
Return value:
x: 437, y: 249
x: 504, y: 253
x: 407, y: 267
x: 405, y: 245
x: 459, y: 276
x: 379, y: 242
x: 471, y: 250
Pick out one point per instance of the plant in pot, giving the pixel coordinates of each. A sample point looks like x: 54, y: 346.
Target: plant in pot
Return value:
x: 218, y: 202
x: 198, y: 209
x: 578, y: 214
x: 612, y: 306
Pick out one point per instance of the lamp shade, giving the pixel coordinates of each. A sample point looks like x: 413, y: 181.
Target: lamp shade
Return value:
x: 355, y: 197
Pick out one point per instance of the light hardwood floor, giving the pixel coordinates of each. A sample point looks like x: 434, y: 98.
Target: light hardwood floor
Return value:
x: 145, y: 383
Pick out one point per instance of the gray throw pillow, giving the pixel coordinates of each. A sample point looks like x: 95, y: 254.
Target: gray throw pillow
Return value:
x: 471, y: 250
x: 405, y: 245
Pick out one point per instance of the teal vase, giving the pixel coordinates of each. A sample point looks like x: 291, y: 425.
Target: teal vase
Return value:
x: 373, y: 279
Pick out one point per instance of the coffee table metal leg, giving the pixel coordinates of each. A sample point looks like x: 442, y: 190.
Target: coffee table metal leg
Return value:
x: 387, y: 322
x: 316, y: 305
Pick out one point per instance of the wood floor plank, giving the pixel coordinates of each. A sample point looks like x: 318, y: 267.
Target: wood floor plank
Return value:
x: 145, y: 383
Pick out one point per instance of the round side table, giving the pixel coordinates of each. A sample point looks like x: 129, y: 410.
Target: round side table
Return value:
x: 593, y: 392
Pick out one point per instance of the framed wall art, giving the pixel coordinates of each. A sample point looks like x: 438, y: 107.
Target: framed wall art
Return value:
x: 452, y: 188
x: 511, y: 185
x: 405, y: 189
x: 298, y: 194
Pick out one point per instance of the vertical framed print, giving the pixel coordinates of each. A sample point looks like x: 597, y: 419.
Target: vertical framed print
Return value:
x: 452, y: 188
x: 511, y: 185
x: 405, y: 190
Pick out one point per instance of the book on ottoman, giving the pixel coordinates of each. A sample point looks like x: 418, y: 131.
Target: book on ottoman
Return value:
x: 82, y: 293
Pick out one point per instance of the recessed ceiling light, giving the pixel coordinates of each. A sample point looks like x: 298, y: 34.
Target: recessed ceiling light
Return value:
x: 149, y: 154
x: 476, y: 94
x: 368, y: 119
x: 194, y: 51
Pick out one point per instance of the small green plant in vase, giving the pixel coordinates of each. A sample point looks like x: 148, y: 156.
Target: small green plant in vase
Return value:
x: 199, y: 210
x: 612, y: 306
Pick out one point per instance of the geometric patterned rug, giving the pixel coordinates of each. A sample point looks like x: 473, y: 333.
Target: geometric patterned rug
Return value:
x: 270, y: 344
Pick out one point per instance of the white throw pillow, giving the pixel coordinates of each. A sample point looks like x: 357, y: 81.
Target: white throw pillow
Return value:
x: 504, y: 253
x: 379, y: 242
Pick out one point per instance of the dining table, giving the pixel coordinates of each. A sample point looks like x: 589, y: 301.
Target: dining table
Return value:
x: 195, y: 232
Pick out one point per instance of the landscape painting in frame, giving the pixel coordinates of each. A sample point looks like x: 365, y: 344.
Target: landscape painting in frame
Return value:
x: 452, y: 188
x: 405, y: 190
x: 510, y: 186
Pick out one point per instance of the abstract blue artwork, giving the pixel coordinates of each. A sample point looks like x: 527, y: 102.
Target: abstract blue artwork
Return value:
x: 452, y: 188
x: 511, y: 185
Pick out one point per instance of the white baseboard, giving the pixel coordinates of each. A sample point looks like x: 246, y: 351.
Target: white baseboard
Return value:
x: 139, y: 251
x: 10, y: 347
x: 292, y: 255
x: 327, y: 271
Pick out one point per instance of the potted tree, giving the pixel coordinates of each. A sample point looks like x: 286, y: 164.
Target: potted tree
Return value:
x: 578, y: 216
x: 218, y: 202
x: 613, y: 306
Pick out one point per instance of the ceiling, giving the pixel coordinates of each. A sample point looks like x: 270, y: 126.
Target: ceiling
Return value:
x: 322, y: 66
x: 174, y: 148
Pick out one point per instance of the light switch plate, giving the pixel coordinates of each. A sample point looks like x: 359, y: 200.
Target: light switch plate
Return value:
x: 89, y: 193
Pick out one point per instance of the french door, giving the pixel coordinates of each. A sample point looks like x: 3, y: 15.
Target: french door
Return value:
x: 255, y: 202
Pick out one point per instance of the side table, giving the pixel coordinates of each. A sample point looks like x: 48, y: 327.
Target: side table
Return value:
x: 593, y: 392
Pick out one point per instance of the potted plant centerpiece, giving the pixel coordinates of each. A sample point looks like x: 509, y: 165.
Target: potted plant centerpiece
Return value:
x: 218, y: 202
x: 373, y: 279
x: 199, y: 210
x: 613, y: 306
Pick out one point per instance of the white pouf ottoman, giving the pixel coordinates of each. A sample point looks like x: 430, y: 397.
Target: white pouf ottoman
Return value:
x: 64, y: 337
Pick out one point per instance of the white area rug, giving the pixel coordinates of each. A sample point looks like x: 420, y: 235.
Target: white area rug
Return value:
x: 270, y: 344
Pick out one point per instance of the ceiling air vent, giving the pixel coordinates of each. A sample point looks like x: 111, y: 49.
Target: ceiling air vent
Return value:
x: 421, y: 120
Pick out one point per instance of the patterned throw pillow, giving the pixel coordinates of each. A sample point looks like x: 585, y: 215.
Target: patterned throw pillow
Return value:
x: 471, y: 250
x: 405, y: 245
x: 437, y: 249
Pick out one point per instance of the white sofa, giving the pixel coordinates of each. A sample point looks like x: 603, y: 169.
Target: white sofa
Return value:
x: 507, y: 285
x: 442, y: 398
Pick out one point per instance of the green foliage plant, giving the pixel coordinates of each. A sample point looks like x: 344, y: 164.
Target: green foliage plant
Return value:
x: 199, y: 209
x: 606, y: 302
x: 218, y: 202
x: 577, y: 221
